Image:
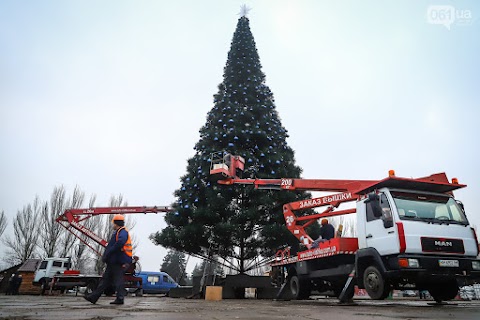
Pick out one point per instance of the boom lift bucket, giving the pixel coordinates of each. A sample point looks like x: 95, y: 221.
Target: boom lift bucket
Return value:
x: 223, y: 165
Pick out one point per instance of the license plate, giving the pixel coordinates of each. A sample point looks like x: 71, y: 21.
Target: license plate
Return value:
x: 448, y: 263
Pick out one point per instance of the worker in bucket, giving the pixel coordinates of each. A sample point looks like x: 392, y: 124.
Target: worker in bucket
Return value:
x: 118, y: 257
x: 327, y: 232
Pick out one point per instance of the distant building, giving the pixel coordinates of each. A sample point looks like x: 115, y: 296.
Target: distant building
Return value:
x: 27, y: 271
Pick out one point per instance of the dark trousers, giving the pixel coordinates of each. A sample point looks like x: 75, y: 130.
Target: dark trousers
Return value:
x: 10, y: 288
x: 16, y: 288
x: 113, y: 276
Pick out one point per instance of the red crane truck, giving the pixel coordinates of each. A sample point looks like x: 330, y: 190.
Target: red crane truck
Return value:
x: 54, y: 273
x: 411, y: 234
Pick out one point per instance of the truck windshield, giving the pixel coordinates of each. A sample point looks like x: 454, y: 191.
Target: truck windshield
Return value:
x: 429, y: 208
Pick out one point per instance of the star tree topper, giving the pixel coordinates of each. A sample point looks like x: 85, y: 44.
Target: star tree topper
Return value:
x: 244, y: 10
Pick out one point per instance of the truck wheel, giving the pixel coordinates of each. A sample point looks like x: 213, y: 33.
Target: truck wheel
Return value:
x: 91, y: 286
x: 375, y: 284
x: 44, y: 285
x: 300, y: 289
x: 443, y: 291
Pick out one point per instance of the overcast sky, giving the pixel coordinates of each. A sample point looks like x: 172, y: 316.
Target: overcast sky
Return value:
x: 110, y: 95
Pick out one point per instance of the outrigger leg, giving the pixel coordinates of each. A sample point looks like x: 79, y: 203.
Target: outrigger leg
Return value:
x: 282, y: 290
x: 346, y: 294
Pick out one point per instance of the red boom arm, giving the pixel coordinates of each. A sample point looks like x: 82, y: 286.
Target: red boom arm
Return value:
x: 71, y: 220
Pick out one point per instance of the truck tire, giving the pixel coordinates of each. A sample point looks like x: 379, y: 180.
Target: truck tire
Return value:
x: 375, y: 284
x: 443, y: 291
x: 91, y: 286
x: 44, y: 283
x: 299, y: 289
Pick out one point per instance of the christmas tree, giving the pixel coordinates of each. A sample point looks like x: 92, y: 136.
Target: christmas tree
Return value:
x: 236, y: 222
x: 174, y: 263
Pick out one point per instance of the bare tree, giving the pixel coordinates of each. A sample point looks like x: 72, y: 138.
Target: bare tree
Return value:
x: 68, y: 241
x: 25, y: 233
x: 104, y: 227
x: 82, y: 256
x: 3, y: 222
x: 347, y: 223
x: 50, y: 230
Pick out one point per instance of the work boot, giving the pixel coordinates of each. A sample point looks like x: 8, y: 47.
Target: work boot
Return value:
x: 90, y: 299
x: 117, y: 301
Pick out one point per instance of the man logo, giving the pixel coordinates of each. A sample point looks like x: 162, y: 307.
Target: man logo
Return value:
x: 439, y: 243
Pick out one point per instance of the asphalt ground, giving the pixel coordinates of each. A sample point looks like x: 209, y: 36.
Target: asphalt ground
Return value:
x: 159, y: 307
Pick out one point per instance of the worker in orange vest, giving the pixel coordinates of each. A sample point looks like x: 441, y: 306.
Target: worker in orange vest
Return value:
x: 118, y: 257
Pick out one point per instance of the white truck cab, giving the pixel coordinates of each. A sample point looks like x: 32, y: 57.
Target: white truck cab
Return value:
x: 417, y: 238
x: 415, y: 222
x: 50, y: 267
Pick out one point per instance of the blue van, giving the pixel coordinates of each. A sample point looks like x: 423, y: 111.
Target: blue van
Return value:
x: 156, y: 282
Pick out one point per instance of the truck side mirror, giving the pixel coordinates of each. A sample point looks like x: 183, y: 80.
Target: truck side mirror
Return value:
x: 373, y: 199
x: 387, y: 223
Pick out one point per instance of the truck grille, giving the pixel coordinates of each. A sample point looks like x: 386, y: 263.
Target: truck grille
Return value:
x: 442, y: 245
